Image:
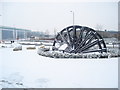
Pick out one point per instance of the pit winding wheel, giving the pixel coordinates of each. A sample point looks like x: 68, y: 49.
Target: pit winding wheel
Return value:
x: 79, y: 39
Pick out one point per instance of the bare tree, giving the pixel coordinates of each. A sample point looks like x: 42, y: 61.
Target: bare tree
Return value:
x: 47, y: 33
x: 54, y: 31
x: 99, y: 27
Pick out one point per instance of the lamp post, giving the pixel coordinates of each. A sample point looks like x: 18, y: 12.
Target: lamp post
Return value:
x: 73, y: 16
x: 74, y: 34
x: 1, y: 30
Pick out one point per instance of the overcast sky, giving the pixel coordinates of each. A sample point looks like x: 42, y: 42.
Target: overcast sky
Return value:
x: 47, y: 16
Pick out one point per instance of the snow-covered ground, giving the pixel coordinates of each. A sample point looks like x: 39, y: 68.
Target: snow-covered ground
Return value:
x: 28, y: 69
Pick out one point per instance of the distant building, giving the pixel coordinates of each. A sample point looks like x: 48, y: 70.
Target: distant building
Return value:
x: 108, y: 34
x: 12, y: 33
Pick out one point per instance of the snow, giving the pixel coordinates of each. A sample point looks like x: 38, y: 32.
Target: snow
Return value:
x: 27, y: 42
x: 111, y: 45
x: 36, y: 43
x: 63, y: 47
x: 28, y: 69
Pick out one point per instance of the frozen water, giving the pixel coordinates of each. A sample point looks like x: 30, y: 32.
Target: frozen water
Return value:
x: 28, y: 69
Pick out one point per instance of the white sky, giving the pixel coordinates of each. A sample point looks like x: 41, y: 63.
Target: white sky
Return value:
x: 47, y: 16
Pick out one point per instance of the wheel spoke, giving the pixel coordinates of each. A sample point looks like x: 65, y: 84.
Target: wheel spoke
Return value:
x: 86, y: 38
x: 99, y: 50
x: 74, y: 31
x: 87, y: 32
x: 64, y: 40
x: 56, y: 40
x: 69, y: 37
x: 82, y: 43
x: 100, y: 47
x: 81, y: 34
x: 79, y: 39
x: 87, y: 46
x: 90, y: 39
x: 74, y: 38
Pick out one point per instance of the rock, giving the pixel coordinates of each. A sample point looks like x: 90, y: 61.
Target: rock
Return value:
x: 31, y: 47
x: 43, y: 48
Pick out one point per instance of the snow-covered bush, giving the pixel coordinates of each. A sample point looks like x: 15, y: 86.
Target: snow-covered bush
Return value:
x: 111, y: 52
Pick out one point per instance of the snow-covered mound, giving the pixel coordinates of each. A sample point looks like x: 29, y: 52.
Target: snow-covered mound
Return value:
x: 30, y: 43
x: 6, y: 45
x: 114, y: 51
x: 58, y: 54
x: 17, y: 47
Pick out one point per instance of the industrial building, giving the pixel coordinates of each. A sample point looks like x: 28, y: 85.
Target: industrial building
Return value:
x: 13, y: 33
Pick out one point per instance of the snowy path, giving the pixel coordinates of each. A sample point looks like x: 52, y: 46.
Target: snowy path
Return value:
x: 33, y: 70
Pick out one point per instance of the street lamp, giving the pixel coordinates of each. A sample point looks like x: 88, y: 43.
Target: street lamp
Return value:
x: 73, y: 17
x: 1, y: 30
x: 74, y: 45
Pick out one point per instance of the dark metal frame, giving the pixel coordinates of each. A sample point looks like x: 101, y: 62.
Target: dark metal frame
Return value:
x: 80, y: 39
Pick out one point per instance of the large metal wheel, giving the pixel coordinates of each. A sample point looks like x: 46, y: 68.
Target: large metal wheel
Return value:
x: 79, y: 39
